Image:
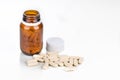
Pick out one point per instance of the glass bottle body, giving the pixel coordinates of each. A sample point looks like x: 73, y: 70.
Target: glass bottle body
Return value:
x: 31, y: 36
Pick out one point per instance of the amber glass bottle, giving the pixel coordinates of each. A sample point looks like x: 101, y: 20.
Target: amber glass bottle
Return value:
x: 31, y: 33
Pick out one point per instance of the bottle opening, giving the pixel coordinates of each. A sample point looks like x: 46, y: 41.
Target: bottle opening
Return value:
x: 31, y: 16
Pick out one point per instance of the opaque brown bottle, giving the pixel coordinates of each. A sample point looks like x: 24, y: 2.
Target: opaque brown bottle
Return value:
x: 31, y: 33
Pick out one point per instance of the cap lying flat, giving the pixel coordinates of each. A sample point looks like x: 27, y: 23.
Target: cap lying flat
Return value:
x: 55, y: 44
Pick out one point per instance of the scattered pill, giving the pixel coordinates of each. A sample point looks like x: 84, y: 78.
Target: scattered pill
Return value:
x: 36, y: 56
x: 45, y: 66
x: 67, y: 64
x: 71, y: 60
x: 53, y: 59
x: 80, y: 60
x: 40, y: 59
x: 32, y: 62
x: 63, y: 58
x: 60, y: 64
x: 75, y: 62
x: 46, y: 60
x: 53, y: 64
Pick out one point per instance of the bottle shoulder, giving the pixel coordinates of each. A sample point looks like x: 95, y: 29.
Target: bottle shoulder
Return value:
x: 31, y: 26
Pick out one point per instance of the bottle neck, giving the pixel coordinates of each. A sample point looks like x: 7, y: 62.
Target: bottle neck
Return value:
x: 31, y: 16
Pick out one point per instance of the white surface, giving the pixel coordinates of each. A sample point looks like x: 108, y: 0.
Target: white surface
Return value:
x: 90, y: 28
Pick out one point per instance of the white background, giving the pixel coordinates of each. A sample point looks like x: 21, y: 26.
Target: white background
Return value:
x: 90, y: 28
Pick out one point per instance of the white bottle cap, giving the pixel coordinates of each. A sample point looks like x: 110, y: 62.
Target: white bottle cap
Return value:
x: 54, y: 44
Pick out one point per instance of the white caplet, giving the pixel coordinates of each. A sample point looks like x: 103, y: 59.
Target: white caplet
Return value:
x: 55, y: 44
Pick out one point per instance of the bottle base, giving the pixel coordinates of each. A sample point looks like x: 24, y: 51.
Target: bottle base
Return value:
x: 30, y: 54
